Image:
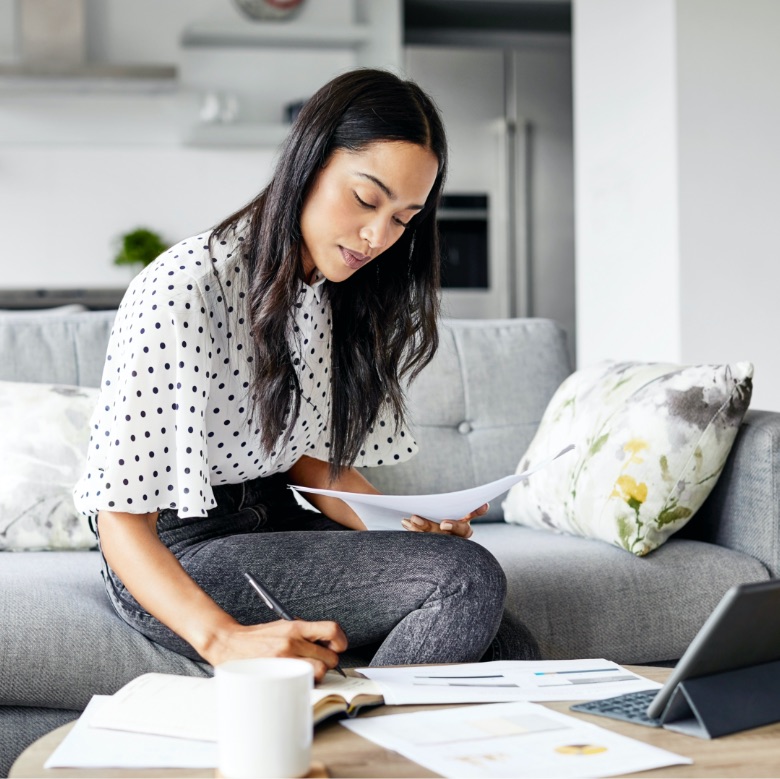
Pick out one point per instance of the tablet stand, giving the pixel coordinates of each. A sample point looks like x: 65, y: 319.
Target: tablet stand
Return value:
x: 723, y: 703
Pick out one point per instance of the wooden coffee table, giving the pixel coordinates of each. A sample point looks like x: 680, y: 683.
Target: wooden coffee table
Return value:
x: 754, y: 753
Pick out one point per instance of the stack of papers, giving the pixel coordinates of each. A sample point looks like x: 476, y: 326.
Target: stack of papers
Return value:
x: 510, y: 740
x: 511, y: 737
x: 507, y: 680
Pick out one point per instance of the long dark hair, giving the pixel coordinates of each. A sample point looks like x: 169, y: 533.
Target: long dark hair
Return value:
x: 384, y: 317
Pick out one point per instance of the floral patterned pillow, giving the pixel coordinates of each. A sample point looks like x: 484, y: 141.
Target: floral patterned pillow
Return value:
x: 651, y: 441
x: 44, y: 432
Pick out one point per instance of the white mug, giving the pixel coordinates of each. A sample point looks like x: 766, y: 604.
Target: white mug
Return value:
x: 264, y: 716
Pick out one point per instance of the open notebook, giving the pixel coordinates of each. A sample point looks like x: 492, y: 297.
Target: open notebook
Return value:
x: 186, y: 706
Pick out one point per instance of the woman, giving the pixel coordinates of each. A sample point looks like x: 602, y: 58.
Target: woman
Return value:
x: 270, y: 352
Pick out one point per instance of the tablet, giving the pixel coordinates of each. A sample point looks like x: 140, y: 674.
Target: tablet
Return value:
x: 743, y: 630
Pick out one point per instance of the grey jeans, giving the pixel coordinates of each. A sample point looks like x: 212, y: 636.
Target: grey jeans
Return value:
x: 403, y: 597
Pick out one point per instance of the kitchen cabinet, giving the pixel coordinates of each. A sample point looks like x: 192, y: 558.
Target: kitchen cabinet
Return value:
x: 254, y: 69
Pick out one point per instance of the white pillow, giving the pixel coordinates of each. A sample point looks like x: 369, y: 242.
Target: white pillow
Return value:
x: 651, y: 441
x: 44, y: 433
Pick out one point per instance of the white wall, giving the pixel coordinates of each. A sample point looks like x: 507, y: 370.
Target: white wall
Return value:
x: 62, y: 209
x: 627, y: 251
x: 729, y: 106
x: 677, y: 116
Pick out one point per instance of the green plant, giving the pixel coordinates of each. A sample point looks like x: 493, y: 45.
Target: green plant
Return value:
x: 139, y: 247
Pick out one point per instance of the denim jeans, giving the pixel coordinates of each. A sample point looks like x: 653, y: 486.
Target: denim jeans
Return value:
x: 407, y: 597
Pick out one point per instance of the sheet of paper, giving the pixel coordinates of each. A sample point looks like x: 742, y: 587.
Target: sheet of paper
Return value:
x: 184, y: 707
x: 384, y: 512
x: 88, y: 747
x: 506, y: 680
x: 510, y: 740
x: 163, y: 704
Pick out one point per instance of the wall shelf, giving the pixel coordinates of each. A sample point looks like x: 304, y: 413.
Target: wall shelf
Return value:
x: 248, y: 134
x: 24, y: 79
x: 271, y: 34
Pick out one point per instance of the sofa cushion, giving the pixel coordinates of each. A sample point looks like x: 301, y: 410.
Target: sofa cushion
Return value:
x: 44, y: 432
x: 21, y: 725
x: 63, y: 348
x: 583, y: 598
x: 61, y: 642
x: 743, y: 511
x: 476, y: 407
x: 652, y: 440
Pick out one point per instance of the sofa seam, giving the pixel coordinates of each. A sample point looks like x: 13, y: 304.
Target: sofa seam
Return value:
x: 466, y: 395
x: 773, y: 441
x: 497, y: 426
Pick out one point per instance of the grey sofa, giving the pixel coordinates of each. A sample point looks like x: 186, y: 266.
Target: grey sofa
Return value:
x: 475, y: 410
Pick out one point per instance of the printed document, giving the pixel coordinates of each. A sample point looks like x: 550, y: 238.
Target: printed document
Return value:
x: 186, y: 706
x: 88, y: 747
x: 384, y: 512
x: 510, y: 740
x: 506, y: 680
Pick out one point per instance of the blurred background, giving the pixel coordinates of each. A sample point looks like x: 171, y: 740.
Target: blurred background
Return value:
x: 614, y: 163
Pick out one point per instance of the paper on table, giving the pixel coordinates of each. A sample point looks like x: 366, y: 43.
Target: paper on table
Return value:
x: 88, y: 747
x: 506, y: 680
x: 383, y: 512
x: 163, y: 704
x: 511, y: 740
x: 186, y: 706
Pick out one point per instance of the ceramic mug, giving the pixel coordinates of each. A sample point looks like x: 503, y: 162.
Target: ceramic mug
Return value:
x: 264, y: 717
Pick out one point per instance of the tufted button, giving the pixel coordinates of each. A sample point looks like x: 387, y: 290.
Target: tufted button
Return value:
x: 464, y: 428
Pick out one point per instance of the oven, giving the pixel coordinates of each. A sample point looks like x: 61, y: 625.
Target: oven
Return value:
x: 463, y: 231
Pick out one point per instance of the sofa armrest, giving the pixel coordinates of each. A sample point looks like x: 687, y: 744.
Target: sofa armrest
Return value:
x: 743, y: 511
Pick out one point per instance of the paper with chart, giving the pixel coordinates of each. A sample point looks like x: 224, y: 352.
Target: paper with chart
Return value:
x: 510, y: 740
x: 384, y: 512
x: 506, y: 680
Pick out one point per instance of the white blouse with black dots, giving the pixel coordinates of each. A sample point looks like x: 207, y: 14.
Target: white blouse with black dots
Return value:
x: 172, y: 419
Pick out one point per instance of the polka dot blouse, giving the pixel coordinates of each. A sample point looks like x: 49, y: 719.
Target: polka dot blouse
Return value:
x: 173, y: 416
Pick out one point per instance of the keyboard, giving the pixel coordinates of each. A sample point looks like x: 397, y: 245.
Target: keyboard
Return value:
x: 631, y: 707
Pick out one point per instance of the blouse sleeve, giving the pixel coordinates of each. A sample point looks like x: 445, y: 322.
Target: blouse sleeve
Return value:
x: 148, y: 450
x: 387, y: 443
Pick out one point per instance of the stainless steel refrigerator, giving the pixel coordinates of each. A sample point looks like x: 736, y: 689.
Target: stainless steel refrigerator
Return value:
x: 507, y: 108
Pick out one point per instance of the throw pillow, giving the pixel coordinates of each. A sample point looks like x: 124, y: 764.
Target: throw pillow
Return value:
x: 651, y: 441
x: 44, y: 433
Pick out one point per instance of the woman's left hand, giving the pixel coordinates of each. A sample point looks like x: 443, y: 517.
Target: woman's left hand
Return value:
x: 449, y: 527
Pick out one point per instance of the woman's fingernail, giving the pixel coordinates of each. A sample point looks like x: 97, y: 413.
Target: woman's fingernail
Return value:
x: 406, y: 523
x: 446, y: 525
x: 419, y: 522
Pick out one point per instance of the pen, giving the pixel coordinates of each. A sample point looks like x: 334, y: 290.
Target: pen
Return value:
x: 277, y: 607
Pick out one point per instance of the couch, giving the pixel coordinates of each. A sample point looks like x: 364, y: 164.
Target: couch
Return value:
x: 475, y: 410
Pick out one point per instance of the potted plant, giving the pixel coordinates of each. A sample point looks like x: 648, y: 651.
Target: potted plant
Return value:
x: 139, y: 247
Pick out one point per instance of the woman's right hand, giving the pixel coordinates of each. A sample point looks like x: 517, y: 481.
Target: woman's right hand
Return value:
x: 316, y: 642
x: 158, y: 582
